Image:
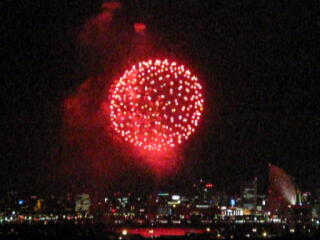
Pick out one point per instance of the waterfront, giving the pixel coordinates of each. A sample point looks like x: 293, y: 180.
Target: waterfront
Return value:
x: 97, y: 231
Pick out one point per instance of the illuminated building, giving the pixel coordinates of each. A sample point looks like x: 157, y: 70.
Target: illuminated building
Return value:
x: 232, y: 211
x: 39, y: 205
x: 83, y: 204
x: 316, y: 204
x: 249, y: 195
x: 203, y: 192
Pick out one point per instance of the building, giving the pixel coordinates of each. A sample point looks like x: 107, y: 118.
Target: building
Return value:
x: 83, y: 204
x: 203, y: 191
x: 249, y: 195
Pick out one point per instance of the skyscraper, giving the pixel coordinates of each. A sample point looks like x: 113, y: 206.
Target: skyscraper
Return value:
x: 249, y: 194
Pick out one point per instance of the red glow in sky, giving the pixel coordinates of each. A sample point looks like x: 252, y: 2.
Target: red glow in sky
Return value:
x: 156, y: 105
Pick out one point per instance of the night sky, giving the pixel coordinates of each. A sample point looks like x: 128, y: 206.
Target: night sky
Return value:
x: 259, y: 64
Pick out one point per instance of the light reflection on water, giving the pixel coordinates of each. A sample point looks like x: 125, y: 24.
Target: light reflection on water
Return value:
x: 157, y: 232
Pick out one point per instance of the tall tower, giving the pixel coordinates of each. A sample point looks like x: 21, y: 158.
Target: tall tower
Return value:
x: 249, y: 194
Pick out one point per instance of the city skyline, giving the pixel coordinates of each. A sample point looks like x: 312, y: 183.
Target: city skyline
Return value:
x: 203, y: 212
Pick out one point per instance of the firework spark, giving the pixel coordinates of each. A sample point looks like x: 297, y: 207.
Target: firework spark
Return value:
x: 156, y: 105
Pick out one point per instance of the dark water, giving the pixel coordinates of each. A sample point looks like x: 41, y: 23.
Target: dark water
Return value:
x: 72, y: 231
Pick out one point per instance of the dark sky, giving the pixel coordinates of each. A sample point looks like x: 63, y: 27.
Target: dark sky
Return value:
x: 259, y: 64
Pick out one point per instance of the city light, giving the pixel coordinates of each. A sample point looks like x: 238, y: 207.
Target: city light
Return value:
x: 165, y: 213
x: 175, y: 197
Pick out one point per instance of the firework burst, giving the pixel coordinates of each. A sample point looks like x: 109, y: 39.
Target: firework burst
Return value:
x: 156, y: 105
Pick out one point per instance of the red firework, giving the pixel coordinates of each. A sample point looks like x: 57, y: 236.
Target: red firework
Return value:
x: 156, y: 105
